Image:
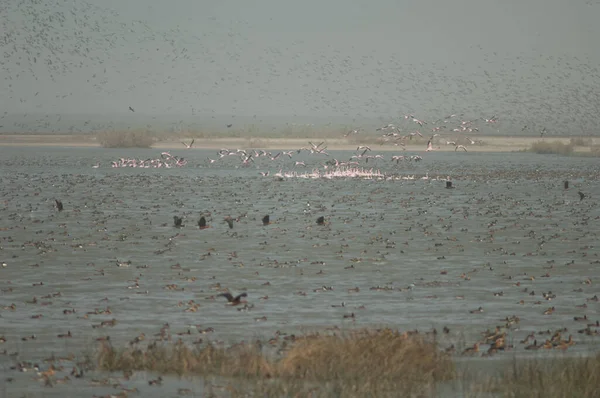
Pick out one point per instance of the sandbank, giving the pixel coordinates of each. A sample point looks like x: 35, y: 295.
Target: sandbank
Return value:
x: 489, y: 143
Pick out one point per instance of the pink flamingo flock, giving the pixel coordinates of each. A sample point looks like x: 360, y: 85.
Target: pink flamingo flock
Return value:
x: 351, y: 172
x: 338, y: 172
x: 166, y: 160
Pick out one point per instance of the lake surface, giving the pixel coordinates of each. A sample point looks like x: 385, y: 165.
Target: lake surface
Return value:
x: 421, y: 256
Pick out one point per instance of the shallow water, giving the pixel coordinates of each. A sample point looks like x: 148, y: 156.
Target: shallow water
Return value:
x: 434, y: 253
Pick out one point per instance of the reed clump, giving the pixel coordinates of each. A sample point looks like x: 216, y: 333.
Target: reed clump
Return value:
x: 125, y: 139
x: 581, y: 141
x: 360, y: 363
x: 551, y: 378
x: 366, y: 139
x: 254, y: 143
x: 552, y: 148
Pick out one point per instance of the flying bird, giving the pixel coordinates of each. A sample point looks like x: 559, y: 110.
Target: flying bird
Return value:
x: 59, y: 205
x: 188, y: 146
x: 131, y: 109
x: 266, y: 220
x: 234, y: 300
x: 229, y: 222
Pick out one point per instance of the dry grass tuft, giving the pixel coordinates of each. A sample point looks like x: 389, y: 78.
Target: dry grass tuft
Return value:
x: 366, y: 362
x: 552, y: 148
x: 384, y: 354
x: 253, y: 143
x: 179, y: 358
x: 581, y: 141
x: 125, y: 139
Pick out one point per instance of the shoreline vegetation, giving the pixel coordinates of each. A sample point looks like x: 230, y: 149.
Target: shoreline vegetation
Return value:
x: 364, y: 362
x: 566, y: 146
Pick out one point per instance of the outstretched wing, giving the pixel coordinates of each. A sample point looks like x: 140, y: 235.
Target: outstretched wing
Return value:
x: 227, y: 295
x: 239, y: 296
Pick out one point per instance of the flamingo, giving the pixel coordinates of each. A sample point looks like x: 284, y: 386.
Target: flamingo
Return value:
x: 429, y: 146
x: 188, y: 146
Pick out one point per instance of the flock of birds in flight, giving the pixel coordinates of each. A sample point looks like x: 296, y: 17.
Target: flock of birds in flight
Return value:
x: 391, y: 134
x: 47, y: 42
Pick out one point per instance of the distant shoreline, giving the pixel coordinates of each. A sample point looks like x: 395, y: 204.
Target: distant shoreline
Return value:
x: 491, y: 143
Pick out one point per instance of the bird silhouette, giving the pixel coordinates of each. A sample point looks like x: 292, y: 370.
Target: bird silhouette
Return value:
x: 59, y: 205
x: 265, y: 220
x: 233, y: 300
x: 229, y: 222
x: 321, y: 220
x: 581, y: 195
x: 177, y: 221
x: 202, y: 223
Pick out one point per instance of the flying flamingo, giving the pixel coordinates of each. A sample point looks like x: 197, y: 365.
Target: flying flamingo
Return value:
x: 429, y: 146
x: 188, y: 146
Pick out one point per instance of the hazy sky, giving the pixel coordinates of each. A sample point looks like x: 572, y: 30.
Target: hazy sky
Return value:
x: 529, y: 62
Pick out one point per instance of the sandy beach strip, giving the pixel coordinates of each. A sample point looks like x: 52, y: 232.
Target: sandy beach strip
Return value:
x: 490, y: 143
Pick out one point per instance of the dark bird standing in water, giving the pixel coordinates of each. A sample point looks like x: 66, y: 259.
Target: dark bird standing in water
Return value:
x: 59, y: 205
x: 229, y: 222
x: 202, y: 223
x: 265, y: 220
x: 321, y: 220
x: 177, y: 221
x: 581, y: 195
x: 234, y: 300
